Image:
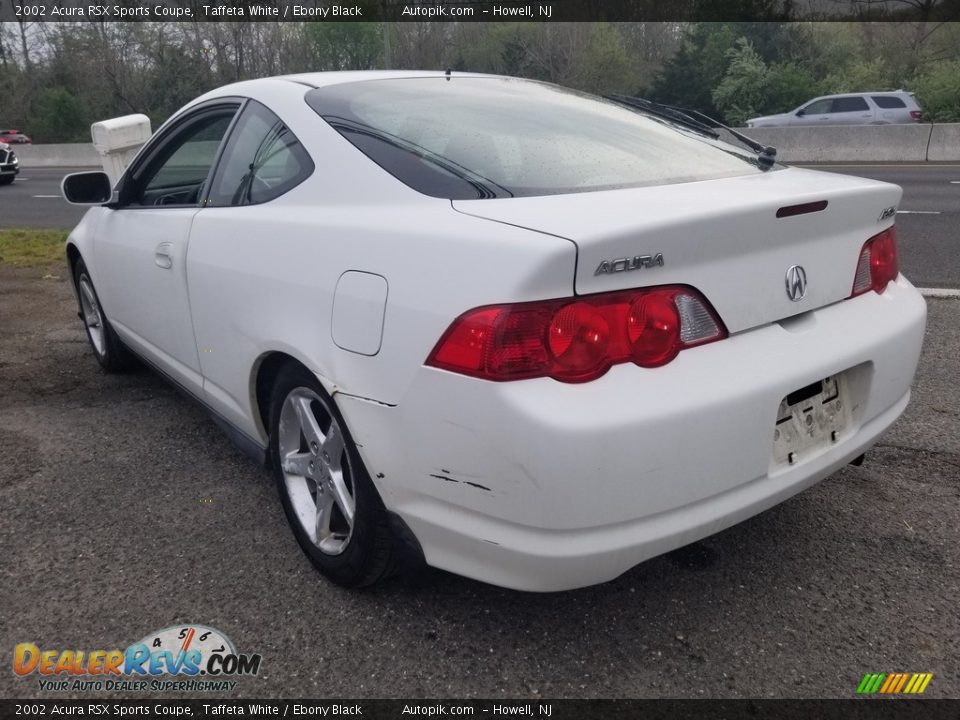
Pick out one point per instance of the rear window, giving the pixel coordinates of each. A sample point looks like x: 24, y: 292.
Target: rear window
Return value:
x: 888, y: 102
x: 469, y: 138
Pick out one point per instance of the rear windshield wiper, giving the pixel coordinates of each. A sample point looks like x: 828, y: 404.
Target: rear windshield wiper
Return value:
x: 698, y: 122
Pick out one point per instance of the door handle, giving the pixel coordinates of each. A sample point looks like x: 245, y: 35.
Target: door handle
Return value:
x: 162, y: 256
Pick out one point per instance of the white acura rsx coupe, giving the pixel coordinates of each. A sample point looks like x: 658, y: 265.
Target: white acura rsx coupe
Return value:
x: 531, y: 336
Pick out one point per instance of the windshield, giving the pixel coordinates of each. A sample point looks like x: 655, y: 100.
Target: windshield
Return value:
x: 469, y: 137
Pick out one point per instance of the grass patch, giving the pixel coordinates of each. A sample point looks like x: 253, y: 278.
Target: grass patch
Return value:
x: 31, y: 248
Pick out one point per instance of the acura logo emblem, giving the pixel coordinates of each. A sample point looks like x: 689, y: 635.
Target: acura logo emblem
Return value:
x: 796, y: 283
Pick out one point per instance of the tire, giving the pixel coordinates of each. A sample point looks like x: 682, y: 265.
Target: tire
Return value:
x: 314, y: 459
x: 107, y: 347
x: 7, y: 179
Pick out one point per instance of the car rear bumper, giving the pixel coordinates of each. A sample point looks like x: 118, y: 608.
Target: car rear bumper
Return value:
x: 540, y: 485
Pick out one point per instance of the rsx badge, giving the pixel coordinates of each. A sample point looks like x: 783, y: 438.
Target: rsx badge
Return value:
x: 632, y: 263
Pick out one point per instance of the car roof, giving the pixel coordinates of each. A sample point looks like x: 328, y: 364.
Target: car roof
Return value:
x: 866, y: 94
x: 335, y: 77
x: 321, y: 79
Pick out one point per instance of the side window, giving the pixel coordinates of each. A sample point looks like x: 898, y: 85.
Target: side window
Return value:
x: 263, y: 159
x: 850, y: 104
x: 176, y: 176
x: 888, y: 102
x: 818, y: 108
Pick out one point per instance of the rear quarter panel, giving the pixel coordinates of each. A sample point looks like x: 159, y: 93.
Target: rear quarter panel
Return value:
x: 262, y: 279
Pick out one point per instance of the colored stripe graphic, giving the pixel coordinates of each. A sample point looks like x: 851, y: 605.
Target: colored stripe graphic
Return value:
x: 891, y: 681
x: 894, y: 683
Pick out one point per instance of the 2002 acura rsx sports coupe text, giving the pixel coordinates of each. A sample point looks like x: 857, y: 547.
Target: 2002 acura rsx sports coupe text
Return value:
x: 534, y: 335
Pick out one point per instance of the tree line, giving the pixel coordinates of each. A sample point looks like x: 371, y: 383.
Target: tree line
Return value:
x: 58, y: 78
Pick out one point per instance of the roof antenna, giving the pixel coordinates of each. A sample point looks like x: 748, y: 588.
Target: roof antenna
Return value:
x: 448, y: 73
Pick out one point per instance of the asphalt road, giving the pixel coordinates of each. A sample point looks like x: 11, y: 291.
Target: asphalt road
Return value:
x: 33, y: 200
x: 125, y: 511
x: 927, y: 230
x: 927, y: 224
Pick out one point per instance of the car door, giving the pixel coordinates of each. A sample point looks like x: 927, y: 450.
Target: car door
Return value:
x: 141, y: 244
x: 236, y: 256
x: 850, y: 110
x: 813, y: 113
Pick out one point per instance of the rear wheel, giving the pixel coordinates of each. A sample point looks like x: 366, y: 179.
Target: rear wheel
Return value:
x: 330, y: 502
x: 107, y: 347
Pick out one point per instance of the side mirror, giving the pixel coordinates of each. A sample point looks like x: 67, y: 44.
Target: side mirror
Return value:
x: 87, y: 188
x: 801, y: 112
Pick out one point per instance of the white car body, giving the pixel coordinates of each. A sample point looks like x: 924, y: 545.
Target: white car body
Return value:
x: 532, y: 484
x: 868, y: 108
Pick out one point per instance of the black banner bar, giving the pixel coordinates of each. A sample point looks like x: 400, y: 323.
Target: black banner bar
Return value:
x: 893, y: 709
x: 476, y: 11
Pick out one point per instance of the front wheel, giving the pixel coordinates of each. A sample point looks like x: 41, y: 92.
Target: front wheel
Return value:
x: 106, y: 346
x: 331, y: 504
x: 6, y: 179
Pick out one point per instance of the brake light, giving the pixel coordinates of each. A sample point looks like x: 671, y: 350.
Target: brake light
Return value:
x: 916, y: 115
x: 878, y: 264
x: 577, y: 339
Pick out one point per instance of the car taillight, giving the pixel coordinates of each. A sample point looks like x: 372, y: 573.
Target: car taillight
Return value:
x: 577, y: 339
x: 878, y: 264
x: 916, y: 115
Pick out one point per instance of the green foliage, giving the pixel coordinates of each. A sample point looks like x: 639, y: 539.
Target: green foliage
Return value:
x: 604, y: 64
x: 751, y: 87
x: 860, y: 76
x: 345, y: 45
x: 738, y: 70
x: 689, y: 77
x: 57, y: 78
x: 938, y: 91
x: 59, y: 116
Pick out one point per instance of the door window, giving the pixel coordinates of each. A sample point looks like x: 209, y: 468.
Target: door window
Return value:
x: 818, y: 107
x: 262, y: 160
x: 178, y: 173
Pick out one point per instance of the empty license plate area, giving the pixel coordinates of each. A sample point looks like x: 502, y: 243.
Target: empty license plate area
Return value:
x: 810, y: 420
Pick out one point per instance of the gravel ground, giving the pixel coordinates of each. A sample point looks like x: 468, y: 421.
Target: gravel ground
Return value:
x: 125, y: 510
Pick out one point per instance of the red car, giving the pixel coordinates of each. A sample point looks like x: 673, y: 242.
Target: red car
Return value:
x: 14, y: 137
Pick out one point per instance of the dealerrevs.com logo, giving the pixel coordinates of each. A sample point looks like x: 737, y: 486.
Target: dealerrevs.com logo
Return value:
x: 181, y: 658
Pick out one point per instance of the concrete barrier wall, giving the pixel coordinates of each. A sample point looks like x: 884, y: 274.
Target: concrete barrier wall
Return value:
x: 944, y: 143
x: 74, y: 155
x: 819, y: 144
x: 848, y: 143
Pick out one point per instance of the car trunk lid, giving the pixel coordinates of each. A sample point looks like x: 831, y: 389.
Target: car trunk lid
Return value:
x: 734, y: 239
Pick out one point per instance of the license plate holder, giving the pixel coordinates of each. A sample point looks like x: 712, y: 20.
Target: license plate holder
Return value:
x: 811, y: 419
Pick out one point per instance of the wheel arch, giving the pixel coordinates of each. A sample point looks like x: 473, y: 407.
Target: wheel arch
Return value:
x: 73, y: 256
x: 265, y: 371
